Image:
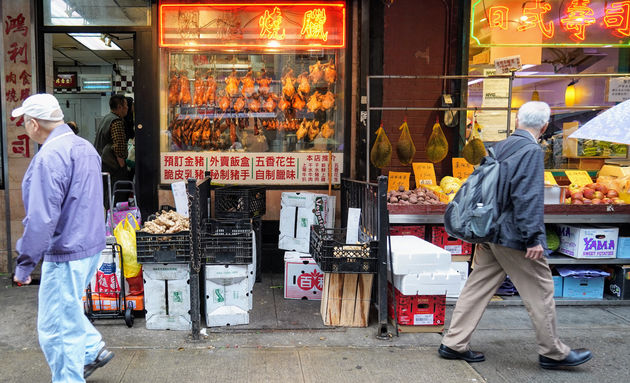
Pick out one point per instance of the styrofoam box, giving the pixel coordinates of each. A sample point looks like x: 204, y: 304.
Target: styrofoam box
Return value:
x: 461, y: 269
x: 412, y: 255
x: 429, y: 283
x: 227, y: 295
x: 157, y: 277
x: 300, y: 210
x: 588, y: 241
x: 251, y: 272
x: 303, y: 279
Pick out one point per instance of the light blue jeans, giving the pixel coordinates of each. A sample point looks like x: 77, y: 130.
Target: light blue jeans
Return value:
x: 67, y: 338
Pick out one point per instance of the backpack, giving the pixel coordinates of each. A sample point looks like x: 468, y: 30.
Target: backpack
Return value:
x: 474, y: 214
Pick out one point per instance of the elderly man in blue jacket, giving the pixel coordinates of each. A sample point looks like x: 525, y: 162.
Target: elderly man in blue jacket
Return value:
x: 516, y: 250
x: 64, y: 224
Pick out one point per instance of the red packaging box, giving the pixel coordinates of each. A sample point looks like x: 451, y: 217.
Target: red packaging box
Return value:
x: 416, y: 230
x: 418, y: 310
x: 453, y: 245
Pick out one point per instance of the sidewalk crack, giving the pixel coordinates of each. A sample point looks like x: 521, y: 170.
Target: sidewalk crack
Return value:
x: 617, y: 315
x: 124, y: 372
x: 301, y: 367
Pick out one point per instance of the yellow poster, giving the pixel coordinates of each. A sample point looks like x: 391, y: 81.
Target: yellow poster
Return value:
x: 462, y: 168
x: 424, y: 173
x: 549, y: 180
x: 397, y: 179
x: 579, y: 177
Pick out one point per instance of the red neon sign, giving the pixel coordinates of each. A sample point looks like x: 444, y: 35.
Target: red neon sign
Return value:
x: 579, y: 16
x: 296, y: 25
x: 618, y: 18
x: 533, y: 16
x: 498, y: 17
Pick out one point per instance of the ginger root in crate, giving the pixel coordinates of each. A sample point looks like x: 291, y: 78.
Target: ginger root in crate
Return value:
x: 166, y: 222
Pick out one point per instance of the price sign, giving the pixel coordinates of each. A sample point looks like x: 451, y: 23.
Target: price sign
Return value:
x: 397, y: 179
x: 424, y: 173
x: 579, y: 177
x: 462, y: 168
x: 549, y: 180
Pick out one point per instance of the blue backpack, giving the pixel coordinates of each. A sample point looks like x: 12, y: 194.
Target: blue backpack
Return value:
x: 474, y: 214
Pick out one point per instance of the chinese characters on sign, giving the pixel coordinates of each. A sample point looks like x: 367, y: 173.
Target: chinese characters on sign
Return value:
x: 270, y: 24
x: 397, y: 179
x: 618, y: 89
x: 313, y: 25
x: 252, y: 168
x: 559, y: 22
x: 17, y: 78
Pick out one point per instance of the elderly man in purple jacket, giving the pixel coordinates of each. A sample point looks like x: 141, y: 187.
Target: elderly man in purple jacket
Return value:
x: 64, y: 224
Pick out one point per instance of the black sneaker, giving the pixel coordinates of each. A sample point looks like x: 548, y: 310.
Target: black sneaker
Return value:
x: 102, y: 358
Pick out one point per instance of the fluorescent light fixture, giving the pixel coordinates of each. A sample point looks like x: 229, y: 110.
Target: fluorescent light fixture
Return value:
x: 93, y: 42
x: 471, y: 82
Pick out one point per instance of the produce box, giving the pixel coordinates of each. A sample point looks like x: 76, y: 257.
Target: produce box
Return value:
x: 583, y: 288
x: 618, y: 283
x: 167, y: 296
x: 346, y: 299
x: 453, y: 245
x: 557, y: 286
x: 573, y: 148
x: 417, y: 310
x: 415, y: 230
x: 303, y: 279
x: 227, y: 295
x: 588, y: 241
x: 300, y: 210
x: 623, y: 247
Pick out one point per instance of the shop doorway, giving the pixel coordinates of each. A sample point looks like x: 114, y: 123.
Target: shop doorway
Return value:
x: 87, y: 68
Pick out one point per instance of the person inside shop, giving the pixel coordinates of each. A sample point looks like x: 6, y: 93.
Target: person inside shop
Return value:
x: 111, y: 141
x: 73, y: 126
x: 64, y: 225
x: 517, y: 250
x: 130, y: 133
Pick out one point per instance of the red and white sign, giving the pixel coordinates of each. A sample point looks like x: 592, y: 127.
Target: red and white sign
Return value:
x: 303, y: 279
x: 252, y: 168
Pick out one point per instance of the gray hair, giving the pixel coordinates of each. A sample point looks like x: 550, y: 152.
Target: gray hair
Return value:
x: 45, y: 124
x: 533, y: 115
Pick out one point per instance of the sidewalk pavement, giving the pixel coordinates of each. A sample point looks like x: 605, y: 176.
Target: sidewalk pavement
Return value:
x: 330, y: 354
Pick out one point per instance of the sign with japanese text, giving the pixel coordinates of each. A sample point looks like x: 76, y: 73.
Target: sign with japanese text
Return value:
x: 462, y: 168
x: 268, y: 25
x: 554, y: 22
x: 17, y: 79
x: 233, y: 168
x: 424, y: 173
x: 397, y: 179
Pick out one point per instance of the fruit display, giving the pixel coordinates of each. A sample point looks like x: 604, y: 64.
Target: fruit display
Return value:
x: 592, y: 194
x: 405, y: 147
x: 419, y: 196
x: 437, y: 147
x: 381, y: 153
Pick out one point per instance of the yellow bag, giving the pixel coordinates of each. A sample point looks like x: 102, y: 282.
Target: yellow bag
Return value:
x: 125, y: 235
x: 405, y: 147
x: 437, y: 148
x: 381, y: 153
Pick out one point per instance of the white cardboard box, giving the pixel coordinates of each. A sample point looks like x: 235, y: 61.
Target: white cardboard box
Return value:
x: 303, y: 279
x: 227, y: 295
x: 412, y: 255
x: 588, y: 241
x: 167, y: 296
x: 300, y: 210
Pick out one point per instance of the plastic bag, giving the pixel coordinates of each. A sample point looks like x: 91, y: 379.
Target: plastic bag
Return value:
x: 405, y: 147
x: 437, y: 147
x: 125, y: 235
x: 106, y: 278
x: 381, y: 153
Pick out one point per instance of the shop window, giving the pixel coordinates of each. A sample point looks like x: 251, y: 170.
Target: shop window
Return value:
x: 97, y: 13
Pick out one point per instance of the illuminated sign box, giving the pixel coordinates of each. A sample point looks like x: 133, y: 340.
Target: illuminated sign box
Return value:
x: 550, y: 23
x: 297, y: 25
x: 65, y: 81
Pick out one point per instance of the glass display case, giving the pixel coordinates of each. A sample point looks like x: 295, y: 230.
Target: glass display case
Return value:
x: 260, y: 84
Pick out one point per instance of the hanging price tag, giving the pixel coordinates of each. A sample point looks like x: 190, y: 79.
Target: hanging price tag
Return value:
x: 397, y: 179
x: 549, y: 180
x: 579, y: 177
x: 462, y: 168
x: 424, y: 173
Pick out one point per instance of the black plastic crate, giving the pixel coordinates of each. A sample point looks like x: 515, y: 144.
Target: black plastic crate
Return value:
x: 240, y: 202
x: 227, y: 241
x: 333, y: 255
x: 163, y: 248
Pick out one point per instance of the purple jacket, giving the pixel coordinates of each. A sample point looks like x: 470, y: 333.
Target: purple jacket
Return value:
x: 62, y: 193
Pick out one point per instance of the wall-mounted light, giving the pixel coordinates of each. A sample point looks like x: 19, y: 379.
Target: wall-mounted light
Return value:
x: 535, y: 95
x: 569, y: 94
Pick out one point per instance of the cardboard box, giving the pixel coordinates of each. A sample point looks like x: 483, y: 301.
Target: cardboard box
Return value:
x: 412, y: 255
x: 415, y: 230
x: 623, y: 247
x: 167, y: 296
x: 588, y: 241
x: 453, y: 245
x: 346, y: 299
x: 417, y: 310
x: 227, y: 295
x: 618, y: 283
x: 300, y: 210
x: 557, y: 286
x: 583, y: 288
x: 303, y: 279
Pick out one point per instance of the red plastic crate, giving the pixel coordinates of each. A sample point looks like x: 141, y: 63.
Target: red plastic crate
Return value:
x: 416, y: 230
x: 453, y: 245
x: 418, y: 310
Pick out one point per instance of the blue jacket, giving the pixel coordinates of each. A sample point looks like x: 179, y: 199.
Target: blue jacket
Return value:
x: 62, y: 192
x: 521, y: 188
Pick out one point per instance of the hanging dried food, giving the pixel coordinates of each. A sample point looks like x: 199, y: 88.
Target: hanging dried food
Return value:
x: 328, y: 100
x: 200, y: 90
x: 437, y: 148
x: 330, y: 73
x: 232, y: 84
x: 303, y: 86
x: 233, y: 136
x: 327, y: 129
x: 316, y: 72
x: 314, y: 104
x: 298, y: 102
x: 288, y: 89
x: 206, y: 135
x: 211, y: 88
x: 474, y: 150
x: 184, y: 89
x: 405, y: 147
x: 248, y: 84
x: 381, y: 153
x: 264, y: 82
x: 173, y: 89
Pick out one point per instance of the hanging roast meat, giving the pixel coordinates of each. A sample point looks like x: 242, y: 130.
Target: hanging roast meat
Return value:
x: 288, y: 88
x: 232, y: 82
x: 184, y: 90
x: 173, y: 89
x: 211, y: 89
x: 248, y: 84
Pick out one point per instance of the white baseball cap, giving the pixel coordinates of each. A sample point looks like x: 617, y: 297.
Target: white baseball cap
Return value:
x: 41, y: 106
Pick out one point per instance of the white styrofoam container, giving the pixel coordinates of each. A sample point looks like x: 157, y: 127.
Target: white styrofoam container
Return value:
x: 412, y: 255
x: 461, y: 269
x: 430, y: 283
x: 167, y: 312
x: 300, y: 210
x: 588, y: 241
x: 227, y: 295
x: 303, y: 279
x: 251, y: 272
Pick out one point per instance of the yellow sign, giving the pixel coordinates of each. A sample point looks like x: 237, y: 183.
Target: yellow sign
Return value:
x: 270, y: 24
x: 424, y: 173
x: 579, y: 177
x: 397, y: 179
x: 549, y: 180
x: 462, y: 168
x: 313, y: 25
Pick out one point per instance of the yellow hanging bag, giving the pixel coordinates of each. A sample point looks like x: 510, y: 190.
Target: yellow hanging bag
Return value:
x: 381, y: 153
x: 125, y: 234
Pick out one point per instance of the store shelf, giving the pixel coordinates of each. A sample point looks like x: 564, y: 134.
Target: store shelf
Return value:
x: 564, y: 260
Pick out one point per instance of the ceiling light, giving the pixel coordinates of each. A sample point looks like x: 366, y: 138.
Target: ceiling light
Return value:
x: 569, y: 94
x: 93, y: 42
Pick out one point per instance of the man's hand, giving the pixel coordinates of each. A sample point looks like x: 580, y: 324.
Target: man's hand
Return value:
x: 25, y: 282
x: 535, y: 252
